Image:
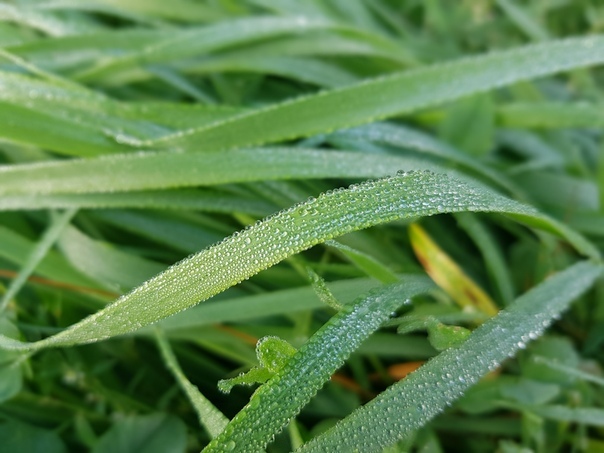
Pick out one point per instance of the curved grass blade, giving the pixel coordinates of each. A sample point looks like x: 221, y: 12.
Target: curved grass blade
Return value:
x: 275, y: 403
x: 391, y: 95
x: 406, y: 195
x: 410, y: 404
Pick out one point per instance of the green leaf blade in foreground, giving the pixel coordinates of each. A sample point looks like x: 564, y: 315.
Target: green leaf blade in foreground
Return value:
x: 406, y: 195
x: 409, y: 404
x: 274, y: 404
x: 389, y: 96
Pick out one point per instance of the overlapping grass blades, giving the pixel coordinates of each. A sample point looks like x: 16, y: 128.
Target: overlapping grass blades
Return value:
x: 409, y: 404
x: 274, y: 404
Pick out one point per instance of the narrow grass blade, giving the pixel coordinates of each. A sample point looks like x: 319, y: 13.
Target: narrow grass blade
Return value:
x: 209, y: 416
x: 551, y: 115
x: 166, y: 199
x: 275, y: 403
x: 493, y: 257
x: 240, y: 309
x: 408, y: 405
x: 15, y: 248
x: 47, y: 240
x: 570, y: 371
x: 391, y: 95
x: 406, y: 195
x: 591, y: 416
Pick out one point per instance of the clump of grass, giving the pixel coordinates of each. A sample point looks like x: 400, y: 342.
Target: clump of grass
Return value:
x: 395, y: 209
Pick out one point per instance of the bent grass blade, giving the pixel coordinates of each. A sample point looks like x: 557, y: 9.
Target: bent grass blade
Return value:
x: 406, y: 195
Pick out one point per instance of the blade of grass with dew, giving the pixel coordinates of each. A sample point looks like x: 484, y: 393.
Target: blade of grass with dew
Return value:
x: 322, y: 291
x: 50, y: 236
x: 209, y: 416
x: 392, y: 95
x: 406, y: 195
x: 274, y: 404
x: 426, y: 392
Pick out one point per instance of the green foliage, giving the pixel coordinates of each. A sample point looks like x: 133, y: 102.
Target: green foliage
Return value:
x: 303, y: 165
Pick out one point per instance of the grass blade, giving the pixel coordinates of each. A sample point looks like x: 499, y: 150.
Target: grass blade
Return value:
x: 209, y: 416
x: 311, y: 366
x: 47, y: 240
x: 408, y: 405
x: 406, y: 195
x: 388, y: 96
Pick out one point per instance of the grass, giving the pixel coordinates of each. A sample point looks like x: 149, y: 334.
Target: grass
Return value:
x: 393, y: 207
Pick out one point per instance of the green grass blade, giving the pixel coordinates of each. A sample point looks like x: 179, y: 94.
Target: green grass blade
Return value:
x: 406, y: 195
x: 145, y: 171
x: 209, y: 416
x: 408, y: 405
x: 240, y: 309
x: 391, y: 95
x: 16, y: 248
x: 115, y: 269
x: 47, y: 240
x: 279, y: 400
x: 551, y: 115
x: 591, y: 416
x: 187, y: 43
x: 167, y: 199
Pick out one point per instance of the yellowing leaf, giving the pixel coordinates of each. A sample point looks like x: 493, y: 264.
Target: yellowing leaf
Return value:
x: 448, y: 275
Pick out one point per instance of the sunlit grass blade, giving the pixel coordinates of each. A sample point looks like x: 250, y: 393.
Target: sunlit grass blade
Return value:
x: 275, y: 403
x: 410, y: 404
x: 406, y: 195
x: 392, y: 95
